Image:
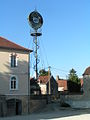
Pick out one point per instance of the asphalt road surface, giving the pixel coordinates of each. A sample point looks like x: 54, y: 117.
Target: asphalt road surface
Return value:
x: 54, y: 112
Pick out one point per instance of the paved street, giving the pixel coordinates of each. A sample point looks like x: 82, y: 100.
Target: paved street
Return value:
x: 62, y: 115
x: 54, y: 112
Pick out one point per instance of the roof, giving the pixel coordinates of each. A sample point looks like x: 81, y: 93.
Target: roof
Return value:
x: 62, y: 83
x: 43, y: 79
x: 87, y: 71
x: 6, y: 44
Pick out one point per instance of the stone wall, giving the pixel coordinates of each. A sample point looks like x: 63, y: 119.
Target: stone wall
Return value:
x: 75, y: 101
x: 86, y: 87
x: 24, y: 103
x: 36, y: 105
x: 79, y: 100
x: 12, y: 105
x: 3, y: 109
x: 37, y: 102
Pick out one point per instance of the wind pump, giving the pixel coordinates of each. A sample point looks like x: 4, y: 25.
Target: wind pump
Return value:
x: 35, y: 21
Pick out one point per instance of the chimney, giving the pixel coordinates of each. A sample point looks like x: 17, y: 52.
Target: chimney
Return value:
x: 57, y: 77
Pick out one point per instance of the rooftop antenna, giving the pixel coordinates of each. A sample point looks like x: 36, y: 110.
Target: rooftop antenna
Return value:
x: 35, y: 21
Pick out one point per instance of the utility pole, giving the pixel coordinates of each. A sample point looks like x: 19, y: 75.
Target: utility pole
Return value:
x: 49, y: 75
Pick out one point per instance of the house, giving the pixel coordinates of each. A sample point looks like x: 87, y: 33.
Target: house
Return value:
x: 86, y: 87
x: 14, y: 77
x: 62, y: 84
x: 48, y: 85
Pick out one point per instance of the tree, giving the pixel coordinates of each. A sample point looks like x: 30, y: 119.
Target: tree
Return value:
x: 73, y: 81
x: 73, y: 76
x: 43, y: 72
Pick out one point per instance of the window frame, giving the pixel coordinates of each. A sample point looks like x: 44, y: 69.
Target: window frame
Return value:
x: 13, y: 83
x: 13, y: 60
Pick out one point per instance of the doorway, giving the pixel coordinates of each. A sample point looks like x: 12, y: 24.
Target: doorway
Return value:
x: 14, y: 107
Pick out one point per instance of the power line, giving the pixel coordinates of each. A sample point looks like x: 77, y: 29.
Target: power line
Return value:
x: 42, y: 45
x: 57, y: 69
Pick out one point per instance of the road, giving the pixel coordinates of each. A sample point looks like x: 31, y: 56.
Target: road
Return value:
x: 55, y: 112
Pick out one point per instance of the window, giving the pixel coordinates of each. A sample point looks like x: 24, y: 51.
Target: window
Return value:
x: 13, y: 60
x: 13, y: 83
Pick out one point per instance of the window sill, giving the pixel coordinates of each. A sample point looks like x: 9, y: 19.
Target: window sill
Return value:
x: 13, y: 89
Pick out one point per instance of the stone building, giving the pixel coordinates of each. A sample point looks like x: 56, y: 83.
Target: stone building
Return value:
x: 62, y: 84
x: 80, y: 100
x: 48, y: 85
x: 14, y: 77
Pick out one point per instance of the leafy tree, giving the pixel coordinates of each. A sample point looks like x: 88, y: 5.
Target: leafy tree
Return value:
x: 73, y: 76
x: 43, y: 72
x: 73, y: 82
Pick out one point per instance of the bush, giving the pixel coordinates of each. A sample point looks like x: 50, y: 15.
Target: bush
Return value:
x: 73, y: 87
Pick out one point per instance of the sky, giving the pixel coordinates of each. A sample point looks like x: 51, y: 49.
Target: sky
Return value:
x: 65, y: 40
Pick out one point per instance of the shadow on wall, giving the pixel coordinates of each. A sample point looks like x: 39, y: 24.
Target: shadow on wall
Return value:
x: 12, y: 106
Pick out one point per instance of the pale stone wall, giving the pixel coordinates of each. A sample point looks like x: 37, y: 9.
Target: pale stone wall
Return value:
x: 60, y: 89
x: 43, y: 88
x: 21, y: 71
x: 80, y: 100
x: 86, y: 87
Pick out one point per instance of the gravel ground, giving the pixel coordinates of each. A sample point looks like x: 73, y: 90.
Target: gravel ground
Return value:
x: 54, y: 112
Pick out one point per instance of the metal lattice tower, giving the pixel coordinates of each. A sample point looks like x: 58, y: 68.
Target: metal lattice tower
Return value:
x: 35, y: 21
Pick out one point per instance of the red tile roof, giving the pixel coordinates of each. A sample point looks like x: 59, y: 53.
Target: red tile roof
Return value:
x: 43, y: 79
x: 6, y: 44
x: 87, y: 71
x: 62, y: 83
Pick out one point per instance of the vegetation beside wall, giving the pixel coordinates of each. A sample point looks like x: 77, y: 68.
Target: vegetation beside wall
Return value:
x: 73, y: 87
x: 73, y: 83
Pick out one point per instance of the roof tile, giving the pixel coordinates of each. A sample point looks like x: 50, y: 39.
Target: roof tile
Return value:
x: 43, y: 79
x: 87, y: 71
x: 6, y: 44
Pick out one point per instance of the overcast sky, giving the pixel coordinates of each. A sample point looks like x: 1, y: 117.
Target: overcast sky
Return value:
x: 65, y: 40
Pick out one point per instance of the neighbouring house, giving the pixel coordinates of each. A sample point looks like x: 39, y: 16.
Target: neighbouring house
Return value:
x: 80, y: 100
x: 48, y: 85
x: 62, y: 84
x: 14, y: 77
x: 86, y: 87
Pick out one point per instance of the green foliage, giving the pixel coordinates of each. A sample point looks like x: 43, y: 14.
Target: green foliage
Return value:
x: 73, y: 76
x: 43, y: 72
x: 73, y: 82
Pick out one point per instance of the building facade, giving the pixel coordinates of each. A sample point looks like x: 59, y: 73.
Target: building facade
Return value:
x: 62, y: 84
x: 14, y: 76
x: 48, y: 85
